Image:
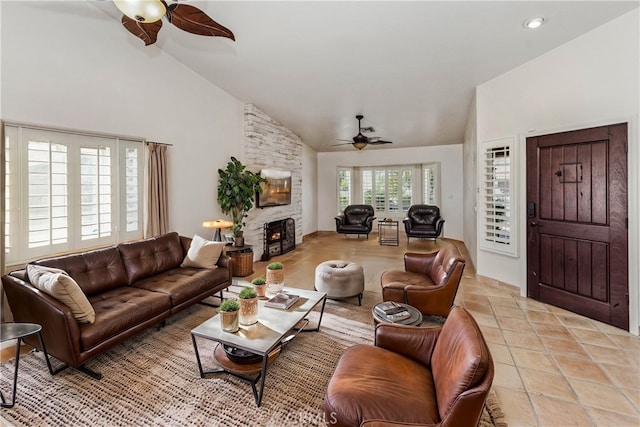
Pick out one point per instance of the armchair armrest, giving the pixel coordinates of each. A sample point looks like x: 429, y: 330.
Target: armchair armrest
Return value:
x: 439, y: 225
x: 418, y: 262
x: 413, y: 342
x: 407, y: 224
x: 340, y: 219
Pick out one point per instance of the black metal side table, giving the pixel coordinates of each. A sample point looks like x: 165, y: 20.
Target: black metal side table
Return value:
x: 388, y: 232
x: 19, y: 331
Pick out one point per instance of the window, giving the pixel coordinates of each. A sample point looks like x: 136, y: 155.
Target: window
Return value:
x: 496, y: 197
x: 344, y: 188
x: 68, y: 191
x: 390, y: 189
x: 431, y: 184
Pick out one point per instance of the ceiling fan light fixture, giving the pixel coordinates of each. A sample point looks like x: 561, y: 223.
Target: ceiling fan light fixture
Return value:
x: 360, y: 145
x: 146, y: 11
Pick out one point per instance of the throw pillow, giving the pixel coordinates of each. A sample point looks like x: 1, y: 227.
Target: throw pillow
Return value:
x: 203, y: 253
x: 62, y: 287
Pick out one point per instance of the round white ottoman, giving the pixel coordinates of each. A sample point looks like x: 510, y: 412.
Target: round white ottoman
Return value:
x: 340, y: 279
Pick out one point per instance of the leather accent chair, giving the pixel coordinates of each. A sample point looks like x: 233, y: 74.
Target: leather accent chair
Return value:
x: 413, y: 376
x: 424, y: 222
x: 356, y: 219
x: 429, y: 282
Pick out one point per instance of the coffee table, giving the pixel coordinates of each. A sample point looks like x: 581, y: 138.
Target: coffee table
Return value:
x: 274, y: 329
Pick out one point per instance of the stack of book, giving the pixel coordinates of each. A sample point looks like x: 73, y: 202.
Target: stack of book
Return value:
x: 392, y: 311
x: 282, y: 301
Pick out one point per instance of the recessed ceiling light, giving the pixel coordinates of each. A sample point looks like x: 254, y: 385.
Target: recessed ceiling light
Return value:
x: 533, y: 23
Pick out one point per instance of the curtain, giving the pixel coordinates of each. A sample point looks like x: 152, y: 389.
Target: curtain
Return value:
x: 158, y: 204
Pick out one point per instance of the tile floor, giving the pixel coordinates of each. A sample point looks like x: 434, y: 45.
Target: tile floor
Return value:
x: 553, y: 367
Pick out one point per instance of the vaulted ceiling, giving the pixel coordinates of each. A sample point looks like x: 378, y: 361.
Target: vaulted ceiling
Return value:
x: 409, y: 67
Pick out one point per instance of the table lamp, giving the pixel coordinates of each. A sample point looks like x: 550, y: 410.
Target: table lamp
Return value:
x: 217, y: 224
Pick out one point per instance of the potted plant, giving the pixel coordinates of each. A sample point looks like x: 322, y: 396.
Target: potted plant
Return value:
x: 237, y: 188
x: 248, y: 306
x: 229, y: 315
x: 260, y: 285
x: 275, y: 277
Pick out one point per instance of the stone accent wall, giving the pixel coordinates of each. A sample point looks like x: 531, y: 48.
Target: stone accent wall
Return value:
x: 270, y: 145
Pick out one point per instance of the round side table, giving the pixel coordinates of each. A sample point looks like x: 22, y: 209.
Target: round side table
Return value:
x: 19, y: 331
x: 414, y: 320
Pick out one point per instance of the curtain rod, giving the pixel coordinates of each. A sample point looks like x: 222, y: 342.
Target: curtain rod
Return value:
x: 159, y: 143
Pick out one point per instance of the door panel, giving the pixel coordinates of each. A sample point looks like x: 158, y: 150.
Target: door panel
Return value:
x: 577, y: 237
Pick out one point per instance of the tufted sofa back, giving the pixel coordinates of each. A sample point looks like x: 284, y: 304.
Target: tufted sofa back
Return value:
x: 94, y: 271
x: 151, y: 256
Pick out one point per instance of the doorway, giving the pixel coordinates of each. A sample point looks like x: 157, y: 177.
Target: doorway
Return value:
x: 577, y: 238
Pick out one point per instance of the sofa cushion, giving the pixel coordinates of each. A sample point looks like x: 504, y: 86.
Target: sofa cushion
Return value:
x: 94, y: 271
x: 394, y: 388
x: 183, y: 284
x: 147, y: 257
x: 119, y: 310
x: 59, y: 285
x: 203, y: 253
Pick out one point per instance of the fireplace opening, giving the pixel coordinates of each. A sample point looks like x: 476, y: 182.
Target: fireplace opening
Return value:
x: 279, y: 237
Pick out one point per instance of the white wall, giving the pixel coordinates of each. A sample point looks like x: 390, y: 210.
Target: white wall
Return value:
x: 309, y: 194
x: 90, y: 74
x: 590, y: 81
x: 449, y: 156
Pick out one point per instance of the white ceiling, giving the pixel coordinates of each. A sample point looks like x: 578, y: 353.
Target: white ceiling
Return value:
x: 409, y: 67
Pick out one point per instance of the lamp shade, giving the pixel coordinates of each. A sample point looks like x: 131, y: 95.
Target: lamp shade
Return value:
x: 218, y: 223
x: 142, y: 10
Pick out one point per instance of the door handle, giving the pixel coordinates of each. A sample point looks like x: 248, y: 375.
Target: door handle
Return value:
x: 533, y: 224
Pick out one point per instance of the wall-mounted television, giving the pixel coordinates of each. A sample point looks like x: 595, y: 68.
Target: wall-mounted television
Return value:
x: 277, y: 190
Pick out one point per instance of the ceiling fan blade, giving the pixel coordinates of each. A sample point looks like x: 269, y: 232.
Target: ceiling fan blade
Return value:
x: 343, y: 143
x: 147, y: 32
x: 345, y: 140
x: 380, y: 141
x: 193, y: 20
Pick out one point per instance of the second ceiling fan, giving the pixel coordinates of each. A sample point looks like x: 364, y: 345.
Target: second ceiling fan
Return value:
x: 360, y: 141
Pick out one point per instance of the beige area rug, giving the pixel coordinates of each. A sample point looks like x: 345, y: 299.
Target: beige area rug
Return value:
x: 152, y: 379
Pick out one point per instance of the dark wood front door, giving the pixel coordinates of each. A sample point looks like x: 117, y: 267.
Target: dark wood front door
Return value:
x: 577, y: 252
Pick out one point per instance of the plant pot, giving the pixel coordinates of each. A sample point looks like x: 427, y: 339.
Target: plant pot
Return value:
x: 261, y: 290
x: 248, y: 311
x: 229, y: 321
x: 275, y: 281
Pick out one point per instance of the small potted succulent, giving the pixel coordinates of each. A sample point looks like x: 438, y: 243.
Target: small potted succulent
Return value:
x: 248, y: 306
x: 275, y: 277
x: 229, y: 310
x: 260, y: 286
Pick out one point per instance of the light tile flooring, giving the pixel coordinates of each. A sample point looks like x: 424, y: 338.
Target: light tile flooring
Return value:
x: 553, y: 367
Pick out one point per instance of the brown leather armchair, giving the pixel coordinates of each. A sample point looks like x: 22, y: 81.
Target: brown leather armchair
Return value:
x: 423, y: 221
x: 356, y: 219
x: 413, y: 376
x: 429, y: 282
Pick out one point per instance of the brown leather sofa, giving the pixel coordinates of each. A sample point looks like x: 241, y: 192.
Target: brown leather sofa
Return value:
x: 429, y: 282
x: 413, y: 376
x: 130, y: 286
x: 423, y: 222
x: 356, y: 219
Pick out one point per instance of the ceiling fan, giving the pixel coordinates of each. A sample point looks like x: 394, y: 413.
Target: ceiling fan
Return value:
x: 360, y: 141
x: 142, y: 18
